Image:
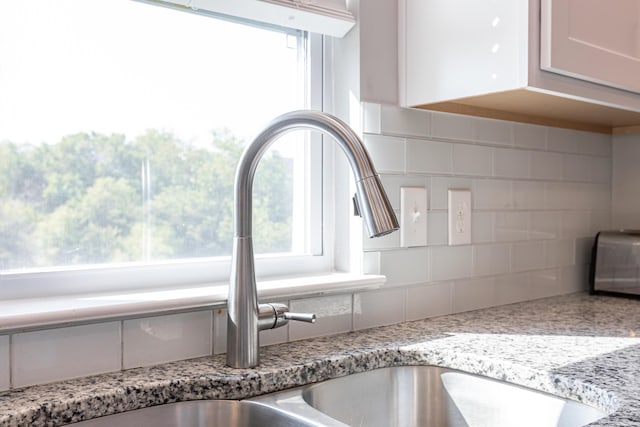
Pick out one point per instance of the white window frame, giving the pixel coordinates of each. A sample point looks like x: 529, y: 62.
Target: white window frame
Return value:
x: 114, y: 278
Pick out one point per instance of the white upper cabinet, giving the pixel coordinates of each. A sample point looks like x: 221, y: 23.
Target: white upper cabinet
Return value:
x: 594, y: 40
x: 568, y: 63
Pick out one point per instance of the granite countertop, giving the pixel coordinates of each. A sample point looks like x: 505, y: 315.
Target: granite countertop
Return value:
x: 577, y: 346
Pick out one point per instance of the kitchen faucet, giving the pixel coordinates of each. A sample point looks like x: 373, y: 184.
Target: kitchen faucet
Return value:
x: 246, y: 318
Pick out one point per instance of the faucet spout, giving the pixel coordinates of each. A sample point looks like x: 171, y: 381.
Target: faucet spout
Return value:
x: 244, y: 312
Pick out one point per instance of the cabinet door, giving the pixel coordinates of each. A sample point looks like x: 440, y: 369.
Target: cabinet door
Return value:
x: 594, y: 40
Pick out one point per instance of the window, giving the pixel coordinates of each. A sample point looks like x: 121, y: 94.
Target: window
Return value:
x: 120, y: 128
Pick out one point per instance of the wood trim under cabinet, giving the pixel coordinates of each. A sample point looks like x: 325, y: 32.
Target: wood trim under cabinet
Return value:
x: 527, y: 106
x: 625, y: 130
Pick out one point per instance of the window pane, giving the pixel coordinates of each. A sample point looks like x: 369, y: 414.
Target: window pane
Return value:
x: 121, y: 124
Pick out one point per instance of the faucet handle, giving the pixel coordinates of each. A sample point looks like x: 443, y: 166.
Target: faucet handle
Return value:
x: 273, y: 316
x: 302, y: 317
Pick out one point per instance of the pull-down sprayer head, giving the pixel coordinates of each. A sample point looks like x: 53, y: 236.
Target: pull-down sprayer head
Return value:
x: 374, y: 207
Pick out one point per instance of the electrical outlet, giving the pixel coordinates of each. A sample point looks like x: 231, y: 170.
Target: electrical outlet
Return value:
x: 459, y: 217
x: 413, y: 216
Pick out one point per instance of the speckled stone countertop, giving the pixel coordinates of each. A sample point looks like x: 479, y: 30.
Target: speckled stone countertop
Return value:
x: 577, y: 346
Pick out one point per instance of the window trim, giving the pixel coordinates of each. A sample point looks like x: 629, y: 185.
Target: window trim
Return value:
x: 330, y: 17
x: 27, y: 314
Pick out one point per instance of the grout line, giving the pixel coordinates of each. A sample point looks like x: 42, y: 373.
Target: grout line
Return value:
x: 212, y: 330
x: 10, y: 361
x: 122, y: 344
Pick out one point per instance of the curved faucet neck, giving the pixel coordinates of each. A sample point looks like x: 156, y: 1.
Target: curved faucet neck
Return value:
x: 244, y: 313
x: 346, y: 138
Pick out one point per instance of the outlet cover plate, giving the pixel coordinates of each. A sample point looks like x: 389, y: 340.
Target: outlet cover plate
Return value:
x: 459, y: 217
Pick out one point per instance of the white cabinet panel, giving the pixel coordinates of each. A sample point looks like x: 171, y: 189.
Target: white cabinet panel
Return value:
x: 460, y: 48
x: 594, y: 40
x: 494, y: 58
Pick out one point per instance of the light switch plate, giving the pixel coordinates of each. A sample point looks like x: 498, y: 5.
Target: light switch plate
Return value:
x: 459, y: 217
x: 413, y: 216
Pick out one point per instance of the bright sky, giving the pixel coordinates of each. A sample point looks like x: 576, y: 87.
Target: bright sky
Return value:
x: 121, y: 66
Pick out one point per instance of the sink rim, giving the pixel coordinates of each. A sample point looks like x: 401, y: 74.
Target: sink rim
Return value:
x: 293, y: 399
x: 193, y: 408
x: 291, y: 402
x: 609, y: 400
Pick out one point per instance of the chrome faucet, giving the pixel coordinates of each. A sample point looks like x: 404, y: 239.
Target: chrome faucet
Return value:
x: 246, y: 318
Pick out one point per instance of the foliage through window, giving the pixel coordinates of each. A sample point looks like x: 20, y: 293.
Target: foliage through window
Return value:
x: 121, y: 124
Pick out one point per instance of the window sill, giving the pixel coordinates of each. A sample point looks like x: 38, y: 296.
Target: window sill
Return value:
x: 40, y: 313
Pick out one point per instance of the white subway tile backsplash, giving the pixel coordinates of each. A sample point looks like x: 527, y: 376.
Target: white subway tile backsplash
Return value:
x: 576, y: 224
x: 450, y: 262
x: 496, y: 132
x: 452, y: 126
x: 559, y: 253
x: 583, y: 250
x: 378, y: 308
x: 482, y: 227
x: 592, y: 196
x: 544, y: 225
x: 429, y: 300
x: 577, y: 167
x: 582, y: 195
x: 511, y: 163
x: 545, y: 165
x: 404, y: 121
x: 491, y: 194
x: 57, y: 354
x: 600, y: 170
x: 600, y: 220
x: 511, y: 226
x: 333, y: 315
x: 429, y: 156
x: 473, y: 160
x: 559, y: 196
x: 437, y: 223
x: 528, y: 256
x: 574, y: 279
x: 491, y: 260
x: 528, y: 195
x: 387, y: 152
x: 405, y: 266
x: 371, y: 262
x: 154, y: 340
x: 563, y: 140
x: 545, y: 283
x: 530, y: 136
x: 601, y: 197
x: 5, y: 377
x: 474, y: 294
x: 513, y: 288
x: 274, y: 336
x: 220, y: 331
x: 597, y: 144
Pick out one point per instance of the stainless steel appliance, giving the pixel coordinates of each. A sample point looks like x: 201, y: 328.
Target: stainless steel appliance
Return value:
x: 615, y: 263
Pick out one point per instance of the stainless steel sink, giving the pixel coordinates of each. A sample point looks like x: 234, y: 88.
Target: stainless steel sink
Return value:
x: 424, y: 396
x: 430, y: 396
x: 210, y: 413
